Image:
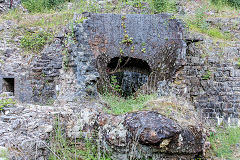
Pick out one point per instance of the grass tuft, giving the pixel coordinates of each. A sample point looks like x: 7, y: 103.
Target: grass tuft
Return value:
x: 119, y: 105
x: 222, y: 3
x: 225, y: 142
x: 81, y: 148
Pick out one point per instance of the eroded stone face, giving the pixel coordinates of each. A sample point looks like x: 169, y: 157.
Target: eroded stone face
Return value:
x: 154, y: 39
x: 152, y: 128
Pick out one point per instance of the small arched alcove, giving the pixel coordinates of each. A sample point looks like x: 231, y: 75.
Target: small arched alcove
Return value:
x: 127, y: 74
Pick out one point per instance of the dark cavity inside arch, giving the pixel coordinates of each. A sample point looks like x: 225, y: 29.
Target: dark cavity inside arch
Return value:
x: 127, y: 74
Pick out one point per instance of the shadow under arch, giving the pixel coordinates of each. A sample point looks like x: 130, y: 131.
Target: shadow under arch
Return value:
x: 127, y: 74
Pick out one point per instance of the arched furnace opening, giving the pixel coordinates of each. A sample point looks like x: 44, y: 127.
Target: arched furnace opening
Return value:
x: 127, y: 74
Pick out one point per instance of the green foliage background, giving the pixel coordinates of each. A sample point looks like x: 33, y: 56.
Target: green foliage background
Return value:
x: 232, y: 3
x: 41, y: 5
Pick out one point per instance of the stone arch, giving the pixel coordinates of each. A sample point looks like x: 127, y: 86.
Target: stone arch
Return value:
x: 129, y: 73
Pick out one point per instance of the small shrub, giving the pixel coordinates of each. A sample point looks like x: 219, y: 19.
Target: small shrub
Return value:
x: 160, y: 5
x: 35, y: 41
x: 5, y: 102
x: 41, y: 5
x: 164, y: 5
x: 207, y: 75
x: 115, y: 85
x: 200, y: 18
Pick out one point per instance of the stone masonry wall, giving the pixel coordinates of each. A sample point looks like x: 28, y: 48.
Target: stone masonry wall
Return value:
x: 13, y: 64
x: 210, y: 78
x: 46, y: 71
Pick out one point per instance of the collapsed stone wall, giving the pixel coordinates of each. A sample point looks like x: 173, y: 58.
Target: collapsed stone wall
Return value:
x: 48, y: 77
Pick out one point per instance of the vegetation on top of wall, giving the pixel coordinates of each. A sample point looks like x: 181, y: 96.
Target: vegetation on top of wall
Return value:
x: 210, y: 31
x: 56, y: 18
x: 199, y: 24
x: 40, y: 20
x: 225, y: 142
x: 35, y: 41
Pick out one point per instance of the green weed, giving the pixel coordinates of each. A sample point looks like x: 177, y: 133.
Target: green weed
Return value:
x: 127, y: 40
x: 3, y: 153
x: 4, y: 102
x: 143, y: 50
x: 207, y: 75
x: 52, y: 21
x: 200, y: 18
x: 50, y: 101
x: 115, y: 85
x: 14, y: 14
x: 215, y: 32
x: 238, y: 63
x: 212, y: 32
x: 80, y: 20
